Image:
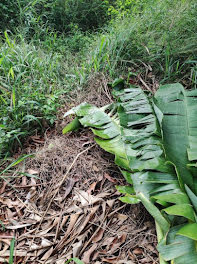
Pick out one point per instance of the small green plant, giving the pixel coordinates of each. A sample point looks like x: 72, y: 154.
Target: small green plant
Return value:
x: 76, y: 260
x: 7, y: 170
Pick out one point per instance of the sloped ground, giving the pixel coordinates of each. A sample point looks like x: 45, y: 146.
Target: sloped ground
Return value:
x: 64, y: 203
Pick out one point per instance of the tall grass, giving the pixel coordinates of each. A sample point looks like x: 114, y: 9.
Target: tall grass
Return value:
x: 30, y: 84
x: 34, y: 76
x: 162, y: 34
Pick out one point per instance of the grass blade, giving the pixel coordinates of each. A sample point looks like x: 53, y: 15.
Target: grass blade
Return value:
x: 11, y: 258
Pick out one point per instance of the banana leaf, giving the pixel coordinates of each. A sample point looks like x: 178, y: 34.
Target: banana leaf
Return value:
x: 153, y: 143
x: 179, y: 126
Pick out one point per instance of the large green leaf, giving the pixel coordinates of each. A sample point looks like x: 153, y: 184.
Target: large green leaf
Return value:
x: 130, y: 199
x: 178, y: 248
x: 192, y: 197
x: 74, y: 125
x: 189, y: 230
x: 107, y: 129
x: 185, y: 210
x: 153, y: 142
x: 142, y: 135
x: 154, y: 211
x: 179, y: 126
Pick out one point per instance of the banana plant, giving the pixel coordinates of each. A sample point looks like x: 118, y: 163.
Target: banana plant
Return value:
x: 154, y: 141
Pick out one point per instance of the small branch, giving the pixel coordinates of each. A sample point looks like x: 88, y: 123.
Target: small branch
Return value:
x: 145, y: 85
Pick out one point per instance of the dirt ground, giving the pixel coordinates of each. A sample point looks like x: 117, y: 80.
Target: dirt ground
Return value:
x: 63, y: 202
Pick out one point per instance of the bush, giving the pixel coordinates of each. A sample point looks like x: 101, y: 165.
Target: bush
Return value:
x: 121, y: 8
x: 80, y: 14
x: 59, y: 15
x: 9, y: 14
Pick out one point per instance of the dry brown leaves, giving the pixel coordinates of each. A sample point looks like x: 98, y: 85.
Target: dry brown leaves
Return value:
x: 81, y: 217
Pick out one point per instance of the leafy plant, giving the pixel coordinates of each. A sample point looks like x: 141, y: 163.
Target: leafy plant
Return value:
x: 76, y: 260
x: 154, y: 143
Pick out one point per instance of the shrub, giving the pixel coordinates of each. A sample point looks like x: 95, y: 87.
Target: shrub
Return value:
x: 80, y: 14
x: 9, y: 14
x: 59, y: 15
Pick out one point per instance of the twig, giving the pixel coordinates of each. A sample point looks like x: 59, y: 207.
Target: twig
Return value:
x: 106, y: 90
x: 143, y: 82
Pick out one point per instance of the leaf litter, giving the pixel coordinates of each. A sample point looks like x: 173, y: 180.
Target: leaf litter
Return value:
x: 64, y: 204
x: 85, y: 218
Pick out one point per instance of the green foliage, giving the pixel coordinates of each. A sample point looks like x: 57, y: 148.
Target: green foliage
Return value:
x: 76, y: 260
x: 29, y: 94
x: 8, y: 13
x: 121, y: 8
x: 161, y: 34
x: 78, y: 14
x: 153, y: 140
x: 59, y: 15
x: 54, y: 49
x: 23, y: 13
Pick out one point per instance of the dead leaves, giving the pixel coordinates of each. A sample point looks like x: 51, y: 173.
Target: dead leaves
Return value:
x: 85, y: 198
x: 87, y: 254
x: 85, y: 219
x: 78, y: 231
x: 107, y: 176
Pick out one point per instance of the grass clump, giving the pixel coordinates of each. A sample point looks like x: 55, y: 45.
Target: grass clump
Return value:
x: 31, y: 82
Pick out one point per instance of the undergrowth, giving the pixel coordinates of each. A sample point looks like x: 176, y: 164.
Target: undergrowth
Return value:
x: 31, y: 82
x: 162, y: 34
x: 49, y: 49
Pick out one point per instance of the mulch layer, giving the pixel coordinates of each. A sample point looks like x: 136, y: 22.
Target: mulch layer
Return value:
x: 63, y: 203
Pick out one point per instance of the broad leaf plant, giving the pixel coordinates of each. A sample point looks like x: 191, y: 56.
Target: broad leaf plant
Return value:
x: 154, y: 141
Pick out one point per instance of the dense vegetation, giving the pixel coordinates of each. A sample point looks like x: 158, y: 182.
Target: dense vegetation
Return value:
x: 50, y: 47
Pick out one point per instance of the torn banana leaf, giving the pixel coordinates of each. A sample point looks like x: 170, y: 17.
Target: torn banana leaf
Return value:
x: 153, y: 141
